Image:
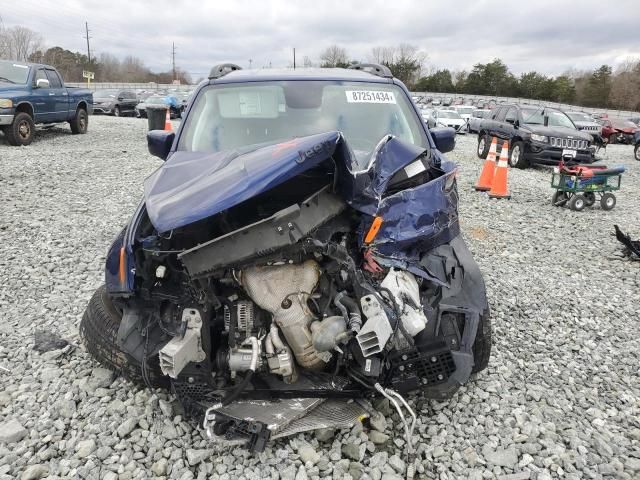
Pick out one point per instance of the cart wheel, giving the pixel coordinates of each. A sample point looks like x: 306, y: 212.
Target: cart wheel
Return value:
x: 590, y: 198
x: 577, y: 202
x: 559, y: 198
x: 608, y: 201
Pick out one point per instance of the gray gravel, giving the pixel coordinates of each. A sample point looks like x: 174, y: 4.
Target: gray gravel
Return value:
x: 561, y: 397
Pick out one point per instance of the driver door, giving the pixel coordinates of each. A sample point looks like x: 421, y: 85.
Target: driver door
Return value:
x: 42, y: 98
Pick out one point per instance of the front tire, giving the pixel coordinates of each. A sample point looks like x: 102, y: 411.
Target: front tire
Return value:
x: 483, y: 146
x: 516, y: 156
x: 636, y: 152
x: 577, y: 203
x: 80, y: 123
x: 98, y: 331
x: 21, y: 131
x: 116, y: 111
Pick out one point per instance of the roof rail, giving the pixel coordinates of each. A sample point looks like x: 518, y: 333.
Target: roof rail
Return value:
x: 222, y: 69
x: 374, y: 69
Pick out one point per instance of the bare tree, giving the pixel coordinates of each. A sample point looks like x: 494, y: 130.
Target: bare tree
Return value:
x: 625, y: 86
x: 334, y: 56
x: 405, y: 61
x: 21, y: 43
x: 4, y: 42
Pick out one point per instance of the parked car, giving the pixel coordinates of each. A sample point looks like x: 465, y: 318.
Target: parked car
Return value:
x: 476, y: 117
x: 115, y: 102
x: 174, y: 105
x: 243, y: 275
x: 436, y: 102
x: 635, y: 120
x: 447, y: 101
x: 465, y: 112
x: 34, y: 94
x: 535, y: 134
x: 616, y: 130
x: 447, y: 118
x: 585, y: 122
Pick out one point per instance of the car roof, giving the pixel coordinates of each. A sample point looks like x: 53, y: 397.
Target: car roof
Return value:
x: 277, y: 74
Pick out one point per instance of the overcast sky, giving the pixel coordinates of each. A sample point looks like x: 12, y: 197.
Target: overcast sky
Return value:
x: 549, y: 36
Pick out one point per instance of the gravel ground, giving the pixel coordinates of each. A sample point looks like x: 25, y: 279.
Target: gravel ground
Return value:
x: 560, y: 399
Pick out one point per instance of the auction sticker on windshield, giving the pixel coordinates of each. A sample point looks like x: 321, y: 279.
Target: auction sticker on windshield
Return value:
x: 370, y: 96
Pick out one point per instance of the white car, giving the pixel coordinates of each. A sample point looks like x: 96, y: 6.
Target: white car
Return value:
x: 465, y: 111
x: 447, y: 118
x: 477, y: 116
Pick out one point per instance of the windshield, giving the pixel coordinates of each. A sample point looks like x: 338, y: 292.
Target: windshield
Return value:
x: 547, y: 117
x: 448, y: 114
x: 227, y: 117
x: 13, y: 73
x: 579, y: 117
x: 105, y: 93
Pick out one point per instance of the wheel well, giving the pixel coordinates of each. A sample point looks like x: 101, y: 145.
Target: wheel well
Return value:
x: 82, y: 105
x: 26, y: 108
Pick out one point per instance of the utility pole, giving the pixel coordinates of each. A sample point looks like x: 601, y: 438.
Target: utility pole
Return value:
x: 86, y: 26
x: 294, y: 58
x: 250, y: 62
x: 173, y: 56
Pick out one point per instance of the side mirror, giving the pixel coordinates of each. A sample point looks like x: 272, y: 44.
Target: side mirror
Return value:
x: 159, y: 143
x: 444, y: 138
x: 42, y: 83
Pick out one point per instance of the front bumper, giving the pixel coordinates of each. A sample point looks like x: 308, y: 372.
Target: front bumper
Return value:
x: 544, y: 154
x: 101, y: 109
x: 6, y: 119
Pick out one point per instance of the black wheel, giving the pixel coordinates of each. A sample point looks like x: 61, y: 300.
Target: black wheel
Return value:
x: 116, y: 111
x: 99, y: 330
x: 80, y: 122
x: 482, y: 344
x: 608, y: 201
x: 577, y: 202
x: 484, y: 143
x: 516, y: 156
x: 21, y: 131
x: 559, y: 198
x: 636, y: 152
x: 590, y: 198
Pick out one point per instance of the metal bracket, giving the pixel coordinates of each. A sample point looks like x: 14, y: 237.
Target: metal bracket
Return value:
x: 180, y: 351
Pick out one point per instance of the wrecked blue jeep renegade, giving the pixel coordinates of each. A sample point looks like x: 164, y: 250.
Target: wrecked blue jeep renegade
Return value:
x: 301, y: 241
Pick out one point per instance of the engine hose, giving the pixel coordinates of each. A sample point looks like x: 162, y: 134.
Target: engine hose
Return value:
x: 354, y: 319
x: 233, y: 319
x: 247, y: 378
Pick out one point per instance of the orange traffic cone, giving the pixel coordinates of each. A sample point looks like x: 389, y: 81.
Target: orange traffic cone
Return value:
x: 167, y: 123
x: 486, y: 177
x: 499, y: 189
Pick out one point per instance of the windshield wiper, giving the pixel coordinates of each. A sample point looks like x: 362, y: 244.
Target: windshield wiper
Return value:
x: 4, y: 79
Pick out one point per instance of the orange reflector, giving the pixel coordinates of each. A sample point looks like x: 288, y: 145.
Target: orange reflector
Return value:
x: 123, y: 267
x: 373, y: 231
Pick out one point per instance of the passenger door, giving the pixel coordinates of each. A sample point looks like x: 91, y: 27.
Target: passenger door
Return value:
x: 42, y: 98
x: 59, y: 95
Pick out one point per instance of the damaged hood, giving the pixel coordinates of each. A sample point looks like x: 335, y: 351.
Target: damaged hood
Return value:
x: 191, y: 186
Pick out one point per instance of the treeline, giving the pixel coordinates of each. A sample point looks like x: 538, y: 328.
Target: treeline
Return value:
x: 25, y: 45
x: 602, y: 87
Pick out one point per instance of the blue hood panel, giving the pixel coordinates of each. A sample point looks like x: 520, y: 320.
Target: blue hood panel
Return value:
x: 192, y: 186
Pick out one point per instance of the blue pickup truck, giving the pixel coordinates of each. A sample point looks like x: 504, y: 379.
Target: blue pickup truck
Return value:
x: 33, y: 94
